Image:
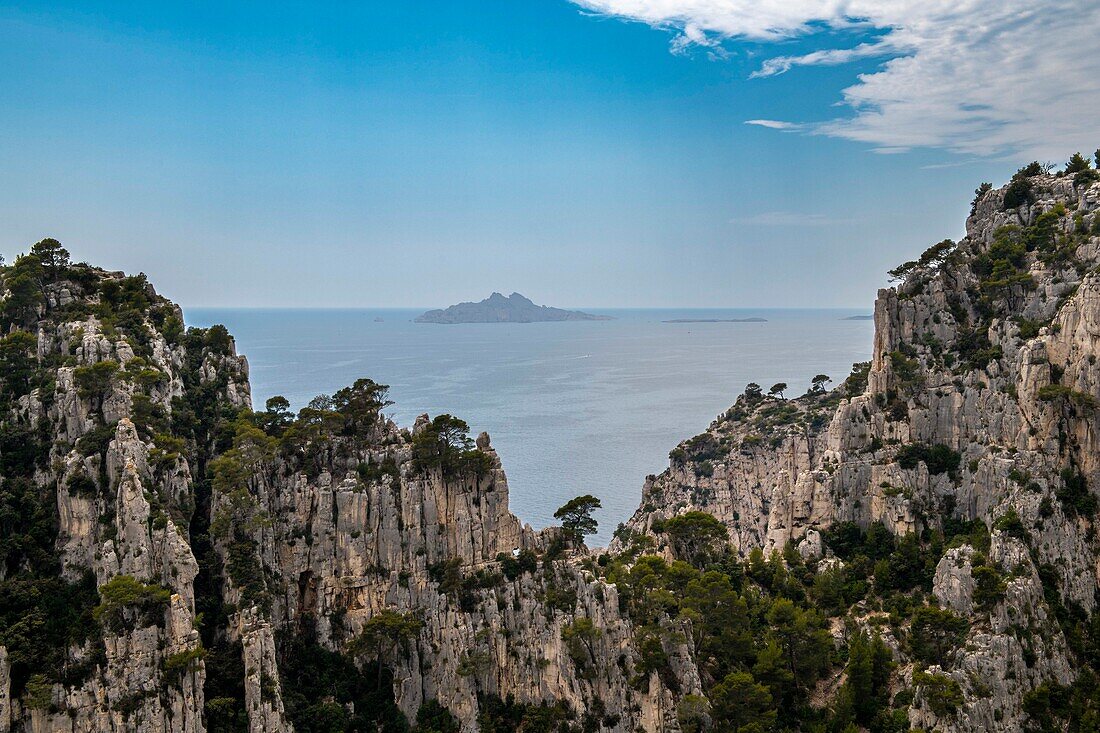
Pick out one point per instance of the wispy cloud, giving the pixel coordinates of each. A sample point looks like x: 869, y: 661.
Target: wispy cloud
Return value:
x: 828, y: 57
x: 774, y: 124
x: 970, y: 76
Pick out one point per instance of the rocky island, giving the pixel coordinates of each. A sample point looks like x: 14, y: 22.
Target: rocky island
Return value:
x: 913, y: 549
x: 499, y: 309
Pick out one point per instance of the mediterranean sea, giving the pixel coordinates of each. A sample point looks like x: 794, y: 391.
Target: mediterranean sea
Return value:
x: 575, y: 407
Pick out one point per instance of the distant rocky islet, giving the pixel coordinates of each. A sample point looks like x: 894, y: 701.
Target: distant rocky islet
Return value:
x: 499, y: 309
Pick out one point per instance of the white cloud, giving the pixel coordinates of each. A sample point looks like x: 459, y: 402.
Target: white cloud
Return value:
x: 972, y: 76
x: 774, y: 124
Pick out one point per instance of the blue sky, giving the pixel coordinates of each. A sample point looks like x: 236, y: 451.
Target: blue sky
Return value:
x: 421, y: 153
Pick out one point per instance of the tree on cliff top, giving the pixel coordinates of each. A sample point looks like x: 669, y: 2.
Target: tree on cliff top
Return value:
x: 445, y: 443
x: 576, y: 517
x: 1076, y: 164
x: 54, y: 258
x: 360, y: 404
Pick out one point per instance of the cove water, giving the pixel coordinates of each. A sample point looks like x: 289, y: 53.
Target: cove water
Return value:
x: 575, y: 407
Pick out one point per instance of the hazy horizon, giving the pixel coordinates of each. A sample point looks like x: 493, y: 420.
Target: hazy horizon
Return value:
x: 412, y: 308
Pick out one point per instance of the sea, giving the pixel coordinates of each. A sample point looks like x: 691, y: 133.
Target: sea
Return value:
x: 574, y: 407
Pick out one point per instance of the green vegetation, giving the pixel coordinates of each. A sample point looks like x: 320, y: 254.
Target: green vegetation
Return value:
x: 42, y: 614
x: 695, y: 536
x: 1076, y: 164
x: 496, y: 715
x: 762, y: 629
x: 1018, y: 192
x: 181, y: 663
x: 933, y: 257
x: 514, y: 567
x: 938, y: 458
x: 382, y: 634
x: 856, y: 382
x: 579, y: 637
x: 979, y: 194
x: 325, y: 692
x: 445, y: 445
x: 864, y: 697
x: 360, y: 405
x: 434, y: 718
x: 1074, y: 494
x: 24, y: 280
x: 94, y: 382
x: 576, y: 517
x: 817, y: 384
x: 759, y: 627
x: 1067, y: 395
x: 942, y: 694
x: 126, y: 601
x: 1003, y: 268
x: 237, y: 517
x: 935, y: 633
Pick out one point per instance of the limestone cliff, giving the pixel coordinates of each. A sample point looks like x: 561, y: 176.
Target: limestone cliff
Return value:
x: 915, y: 548
x: 158, y: 493
x: 979, y: 404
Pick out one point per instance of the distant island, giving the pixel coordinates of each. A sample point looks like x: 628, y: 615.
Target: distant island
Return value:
x: 498, y: 309
x: 717, y: 320
x: 858, y: 318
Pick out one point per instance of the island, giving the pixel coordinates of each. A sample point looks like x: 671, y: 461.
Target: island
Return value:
x: 859, y: 318
x: 499, y: 309
x: 717, y: 320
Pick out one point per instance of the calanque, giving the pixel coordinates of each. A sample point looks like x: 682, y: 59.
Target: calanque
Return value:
x: 914, y: 548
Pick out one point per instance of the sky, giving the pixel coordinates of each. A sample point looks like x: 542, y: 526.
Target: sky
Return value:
x: 588, y: 153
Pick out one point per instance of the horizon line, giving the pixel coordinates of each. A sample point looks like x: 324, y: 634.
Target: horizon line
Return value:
x: 589, y: 307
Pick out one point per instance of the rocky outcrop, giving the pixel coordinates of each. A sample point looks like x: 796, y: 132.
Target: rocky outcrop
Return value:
x: 978, y: 404
x: 970, y: 434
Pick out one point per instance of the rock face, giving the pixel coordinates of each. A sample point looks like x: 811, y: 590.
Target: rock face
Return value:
x: 216, y: 568
x: 978, y: 405
x: 498, y: 309
x: 168, y: 499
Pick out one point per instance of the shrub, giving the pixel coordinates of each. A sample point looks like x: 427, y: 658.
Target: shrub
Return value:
x: 1086, y: 178
x: 979, y: 193
x: 989, y: 587
x: 1019, y: 188
x: 94, y: 380
x: 180, y: 663
x: 218, y: 340
x: 434, y: 718
x: 1054, y: 392
x: 939, y: 458
x: 1010, y: 524
x: 906, y: 370
x: 125, y: 594
x: 513, y: 567
x: 1074, y: 494
x: 935, y: 632
x: 695, y: 535
x: 942, y: 694
x: 856, y: 382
